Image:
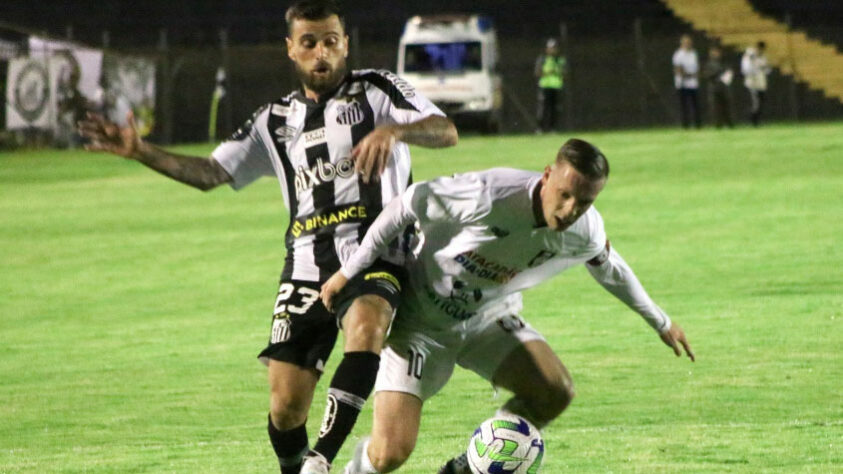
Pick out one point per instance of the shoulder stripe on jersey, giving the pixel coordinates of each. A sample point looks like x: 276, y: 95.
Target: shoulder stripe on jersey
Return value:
x: 389, y: 86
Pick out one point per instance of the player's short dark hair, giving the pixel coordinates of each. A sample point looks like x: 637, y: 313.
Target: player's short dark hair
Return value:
x: 761, y: 45
x: 312, y: 10
x: 585, y: 158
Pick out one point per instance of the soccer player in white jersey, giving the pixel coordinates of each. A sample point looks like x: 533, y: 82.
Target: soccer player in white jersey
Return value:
x: 339, y: 149
x: 484, y: 237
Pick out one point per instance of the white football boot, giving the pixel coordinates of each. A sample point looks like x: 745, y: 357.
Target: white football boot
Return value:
x: 315, y: 463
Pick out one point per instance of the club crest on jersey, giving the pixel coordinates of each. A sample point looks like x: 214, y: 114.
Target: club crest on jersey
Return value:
x: 322, y: 172
x: 350, y: 114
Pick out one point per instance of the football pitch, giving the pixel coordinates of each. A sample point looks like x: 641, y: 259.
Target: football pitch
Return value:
x: 132, y: 308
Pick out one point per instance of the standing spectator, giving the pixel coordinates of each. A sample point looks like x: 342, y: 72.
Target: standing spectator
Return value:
x: 719, y: 78
x: 754, y: 68
x: 550, y: 71
x: 686, y: 69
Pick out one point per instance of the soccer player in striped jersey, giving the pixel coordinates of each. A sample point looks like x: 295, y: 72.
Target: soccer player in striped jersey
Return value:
x: 485, y: 236
x: 338, y: 147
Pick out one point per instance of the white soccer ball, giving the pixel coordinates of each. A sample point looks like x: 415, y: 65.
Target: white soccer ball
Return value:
x: 505, y: 444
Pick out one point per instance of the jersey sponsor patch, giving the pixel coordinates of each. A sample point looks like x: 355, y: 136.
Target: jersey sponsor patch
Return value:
x: 384, y: 276
x: 328, y: 219
x: 315, y: 137
x: 322, y: 172
x: 485, y: 268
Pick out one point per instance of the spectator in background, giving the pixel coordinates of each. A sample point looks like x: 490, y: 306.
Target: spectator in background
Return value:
x: 719, y: 78
x: 755, y: 68
x: 72, y: 106
x: 550, y: 71
x: 686, y: 68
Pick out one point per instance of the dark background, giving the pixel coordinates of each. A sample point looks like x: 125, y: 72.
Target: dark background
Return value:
x: 618, y: 53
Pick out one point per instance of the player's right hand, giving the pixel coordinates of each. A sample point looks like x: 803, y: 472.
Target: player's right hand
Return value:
x: 675, y: 339
x: 105, y: 135
x: 330, y: 289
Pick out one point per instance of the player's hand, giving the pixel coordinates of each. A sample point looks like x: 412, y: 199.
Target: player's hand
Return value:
x: 331, y: 288
x: 372, y: 152
x: 105, y: 135
x: 675, y: 339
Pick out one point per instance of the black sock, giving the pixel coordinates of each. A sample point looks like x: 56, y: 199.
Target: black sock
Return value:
x: 350, y: 387
x: 290, y: 446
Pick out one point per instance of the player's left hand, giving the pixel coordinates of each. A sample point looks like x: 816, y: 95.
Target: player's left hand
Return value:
x: 331, y: 288
x: 372, y: 152
x: 674, y: 338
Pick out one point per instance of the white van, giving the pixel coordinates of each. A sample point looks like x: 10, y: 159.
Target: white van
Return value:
x: 452, y: 60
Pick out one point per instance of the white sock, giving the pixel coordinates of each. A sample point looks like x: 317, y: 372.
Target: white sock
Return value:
x: 360, y: 463
x: 365, y: 464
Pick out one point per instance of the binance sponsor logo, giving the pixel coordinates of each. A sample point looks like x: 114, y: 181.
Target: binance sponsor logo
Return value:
x: 329, y: 219
x: 485, y: 268
x: 384, y: 276
x: 322, y: 172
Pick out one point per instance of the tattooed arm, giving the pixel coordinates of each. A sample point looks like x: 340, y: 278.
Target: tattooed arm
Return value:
x: 201, y: 173
x: 372, y: 153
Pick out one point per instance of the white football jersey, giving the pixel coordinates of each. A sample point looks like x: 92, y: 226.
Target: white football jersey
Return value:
x: 307, y: 145
x: 479, y: 243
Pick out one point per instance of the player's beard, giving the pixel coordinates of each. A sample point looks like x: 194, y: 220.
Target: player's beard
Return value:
x: 321, y: 84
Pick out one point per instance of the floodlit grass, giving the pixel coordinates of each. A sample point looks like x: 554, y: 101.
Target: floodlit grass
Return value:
x: 132, y: 308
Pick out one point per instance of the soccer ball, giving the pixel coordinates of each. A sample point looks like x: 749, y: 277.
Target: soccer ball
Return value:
x: 505, y: 444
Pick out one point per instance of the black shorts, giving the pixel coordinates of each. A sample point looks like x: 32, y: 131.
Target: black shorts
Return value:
x: 304, y: 332
x: 382, y: 279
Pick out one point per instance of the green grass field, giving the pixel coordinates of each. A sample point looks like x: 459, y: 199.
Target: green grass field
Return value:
x: 132, y: 308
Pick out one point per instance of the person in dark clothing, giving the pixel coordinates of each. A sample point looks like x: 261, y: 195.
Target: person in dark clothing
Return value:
x: 719, y: 77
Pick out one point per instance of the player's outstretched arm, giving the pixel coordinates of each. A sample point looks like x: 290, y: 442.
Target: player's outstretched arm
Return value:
x: 104, y: 135
x: 372, y: 154
x: 615, y: 275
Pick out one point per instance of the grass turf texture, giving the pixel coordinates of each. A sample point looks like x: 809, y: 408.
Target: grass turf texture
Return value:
x: 132, y: 309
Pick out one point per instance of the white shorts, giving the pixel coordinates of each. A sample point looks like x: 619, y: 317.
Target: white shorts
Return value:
x: 419, y: 361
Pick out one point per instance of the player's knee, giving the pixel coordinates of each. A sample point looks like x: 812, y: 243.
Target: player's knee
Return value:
x: 287, y: 412
x: 387, y: 457
x: 551, y: 398
x: 366, y: 322
x: 556, y: 398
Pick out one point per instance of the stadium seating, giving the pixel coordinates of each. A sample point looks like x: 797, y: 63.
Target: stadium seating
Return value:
x: 737, y: 24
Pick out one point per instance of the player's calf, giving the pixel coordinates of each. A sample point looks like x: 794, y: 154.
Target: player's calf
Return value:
x: 389, y: 455
x: 542, y: 386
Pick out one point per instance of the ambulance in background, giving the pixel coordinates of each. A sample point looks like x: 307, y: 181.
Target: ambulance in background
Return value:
x: 452, y: 60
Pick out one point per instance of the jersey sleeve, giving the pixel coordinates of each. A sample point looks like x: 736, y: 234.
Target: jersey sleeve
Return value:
x: 244, y: 156
x: 616, y: 276
x: 396, y: 101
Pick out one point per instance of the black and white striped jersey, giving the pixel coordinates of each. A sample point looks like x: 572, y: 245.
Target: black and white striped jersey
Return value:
x: 307, y: 145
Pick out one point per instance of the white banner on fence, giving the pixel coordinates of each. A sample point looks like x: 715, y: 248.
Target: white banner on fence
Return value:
x: 53, y: 87
x: 28, y: 94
